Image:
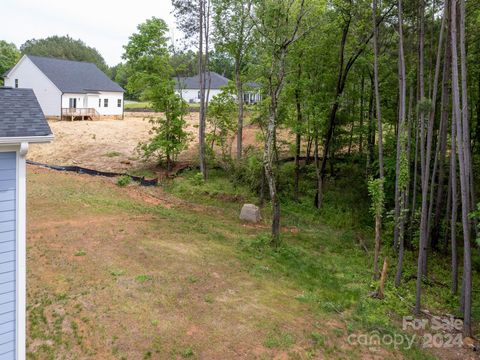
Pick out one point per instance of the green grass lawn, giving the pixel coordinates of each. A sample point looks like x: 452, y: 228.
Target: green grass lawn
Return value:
x: 131, y: 273
x: 137, y: 105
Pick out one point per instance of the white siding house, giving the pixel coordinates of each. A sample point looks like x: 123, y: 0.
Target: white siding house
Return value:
x: 189, y: 88
x: 21, y: 122
x: 192, y: 96
x: 67, y: 88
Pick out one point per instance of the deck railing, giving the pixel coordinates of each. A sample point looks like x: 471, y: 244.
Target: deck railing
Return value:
x: 83, y: 113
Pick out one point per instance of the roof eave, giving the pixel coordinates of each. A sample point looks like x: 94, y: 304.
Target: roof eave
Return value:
x: 27, y: 139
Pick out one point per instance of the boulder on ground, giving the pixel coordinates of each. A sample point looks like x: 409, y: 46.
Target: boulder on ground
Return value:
x: 250, y: 213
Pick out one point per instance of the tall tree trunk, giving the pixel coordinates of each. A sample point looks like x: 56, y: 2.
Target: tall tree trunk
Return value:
x: 362, y: 114
x: 377, y: 92
x: 477, y: 131
x: 276, y: 84
x: 208, y: 81
x: 421, y: 80
x: 461, y: 126
x: 378, y: 220
x: 415, y: 174
x: 262, y: 188
x: 465, y: 116
x: 201, y: 72
x: 239, y: 59
x: 317, y: 166
x: 239, y: 84
x: 447, y: 220
x: 422, y: 258
x: 268, y: 161
x: 309, y: 150
x: 453, y: 223
x: 399, y: 185
x: 465, y: 113
x: 331, y: 157
x: 443, y: 144
x: 371, y: 130
x: 298, y: 137
x: 442, y: 127
x: 341, y: 78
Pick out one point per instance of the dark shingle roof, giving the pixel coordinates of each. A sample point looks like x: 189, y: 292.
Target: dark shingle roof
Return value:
x: 217, y: 81
x: 74, y: 76
x: 21, y: 114
x: 253, y: 85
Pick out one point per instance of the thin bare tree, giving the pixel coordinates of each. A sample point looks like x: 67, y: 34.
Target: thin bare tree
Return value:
x: 460, y: 108
x: 279, y: 35
x: 378, y: 227
x: 401, y: 151
x: 426, y: 160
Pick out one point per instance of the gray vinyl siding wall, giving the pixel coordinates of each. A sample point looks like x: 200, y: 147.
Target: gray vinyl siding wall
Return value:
x: 8, y: 181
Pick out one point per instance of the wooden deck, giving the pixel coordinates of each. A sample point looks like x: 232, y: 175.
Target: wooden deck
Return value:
x: 79, y: 114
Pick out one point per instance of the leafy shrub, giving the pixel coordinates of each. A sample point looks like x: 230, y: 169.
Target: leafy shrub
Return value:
x: 221, y: 118
x: 198, y: 179
x: 124, y: 180
x: 248, y: 172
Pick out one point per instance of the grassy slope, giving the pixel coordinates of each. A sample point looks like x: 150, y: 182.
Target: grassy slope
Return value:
x: 134, y: 273
x: 323, y: 253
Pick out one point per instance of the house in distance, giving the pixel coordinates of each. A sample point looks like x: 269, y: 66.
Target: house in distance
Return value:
x: 68, y: 89
x: 189, y: 88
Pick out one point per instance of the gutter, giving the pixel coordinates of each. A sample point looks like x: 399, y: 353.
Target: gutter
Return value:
x: 26, y: 139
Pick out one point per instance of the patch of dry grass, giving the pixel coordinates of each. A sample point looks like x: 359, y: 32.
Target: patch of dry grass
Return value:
x: 153, y: 281
x: 136, y: 273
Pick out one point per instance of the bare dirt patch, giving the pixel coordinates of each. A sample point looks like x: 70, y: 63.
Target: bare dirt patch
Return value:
x: 110, y: 145
x: 107, y: 145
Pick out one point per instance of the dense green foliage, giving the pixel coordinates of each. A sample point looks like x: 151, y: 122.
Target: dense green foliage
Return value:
x: 9, y: 55
x: 221, y: 118
x: 185, y: 63
x: 64, y: 47
x: 151, y: 76
x: 373, y: 85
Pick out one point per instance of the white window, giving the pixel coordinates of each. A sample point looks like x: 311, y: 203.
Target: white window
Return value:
x: 105, y: 102
x: 72, y: 103
x: 119, y: 103
x: 99, y: 102
x: 16, y: 83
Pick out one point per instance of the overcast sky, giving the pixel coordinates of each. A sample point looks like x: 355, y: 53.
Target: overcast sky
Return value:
x: 103, y: 24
